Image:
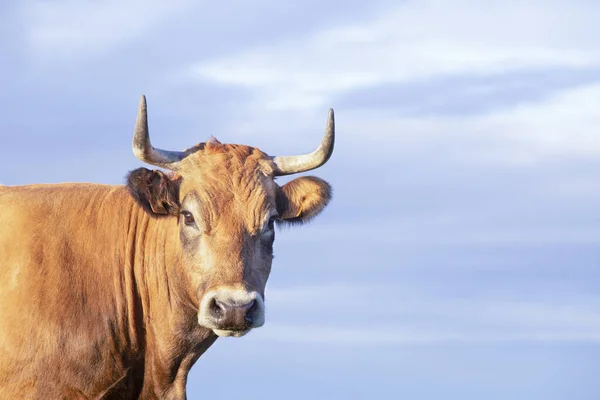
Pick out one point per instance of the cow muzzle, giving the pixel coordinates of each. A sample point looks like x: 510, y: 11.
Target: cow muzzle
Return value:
x: 230, y: 312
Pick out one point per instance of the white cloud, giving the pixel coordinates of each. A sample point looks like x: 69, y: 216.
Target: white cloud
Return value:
x: 420, y: 40
x: 70, y: 28
x: 573, y: 187
x: 417, y: 40
x: 464, y: 227
x: 564, y: 124
x: 565, y: 317
x: 393, y: 336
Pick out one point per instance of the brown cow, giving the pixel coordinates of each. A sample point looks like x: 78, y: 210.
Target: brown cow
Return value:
x: 113, y: 292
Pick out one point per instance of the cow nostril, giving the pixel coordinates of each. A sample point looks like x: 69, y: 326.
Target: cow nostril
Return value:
x: 215, y: 308
x: 252, y: 307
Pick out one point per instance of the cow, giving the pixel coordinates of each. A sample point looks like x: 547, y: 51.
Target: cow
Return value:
x: 115, y: 291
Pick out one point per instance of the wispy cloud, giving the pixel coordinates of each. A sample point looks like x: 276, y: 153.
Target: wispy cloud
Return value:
x: 417, y: 40
x: 456, y: 230
x: 394, y: 336
x: 562, y: 125
x: 68, y: 29
x: 414, y: 316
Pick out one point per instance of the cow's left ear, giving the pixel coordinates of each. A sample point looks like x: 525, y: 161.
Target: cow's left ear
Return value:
x: 156, y: 192
x: 302, y: 199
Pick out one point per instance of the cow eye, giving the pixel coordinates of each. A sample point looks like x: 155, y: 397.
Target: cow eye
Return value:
x: 271, y: 224
x: 188, y: 218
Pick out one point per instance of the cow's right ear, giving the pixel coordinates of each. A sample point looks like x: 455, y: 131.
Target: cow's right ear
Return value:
x: 156, y: 192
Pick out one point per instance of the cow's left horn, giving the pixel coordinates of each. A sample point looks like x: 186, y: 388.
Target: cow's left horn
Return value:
x: 286, y: 165
x: 142, y: 147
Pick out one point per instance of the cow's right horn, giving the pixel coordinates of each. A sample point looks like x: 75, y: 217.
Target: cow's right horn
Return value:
x: 142, y: 147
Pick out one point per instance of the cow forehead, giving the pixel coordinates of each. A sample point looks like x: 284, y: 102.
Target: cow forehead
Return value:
x: 227, y: 174
x: 214, y: 158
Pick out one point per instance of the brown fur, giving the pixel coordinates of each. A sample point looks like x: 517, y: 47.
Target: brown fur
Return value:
x: 302, y: 199
x: 99, y: 296
x: 154, y: 191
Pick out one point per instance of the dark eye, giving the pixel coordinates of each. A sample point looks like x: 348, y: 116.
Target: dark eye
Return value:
x: 188, y: 218
x: 271, y: 224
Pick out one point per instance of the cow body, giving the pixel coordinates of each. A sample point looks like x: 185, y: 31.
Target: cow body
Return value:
x: 114, y: 291
x: 87, y: 301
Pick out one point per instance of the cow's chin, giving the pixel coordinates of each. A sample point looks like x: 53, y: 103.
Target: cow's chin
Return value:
x: 230, y: 333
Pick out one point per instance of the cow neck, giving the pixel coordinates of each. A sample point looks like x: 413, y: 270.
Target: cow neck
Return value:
x: 170, y: 338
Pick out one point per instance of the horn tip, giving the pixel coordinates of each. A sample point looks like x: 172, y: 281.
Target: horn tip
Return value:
x: 331, y: 119
x: 331, y: 115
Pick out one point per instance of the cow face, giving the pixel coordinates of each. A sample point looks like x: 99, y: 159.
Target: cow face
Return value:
x: 227, y: 203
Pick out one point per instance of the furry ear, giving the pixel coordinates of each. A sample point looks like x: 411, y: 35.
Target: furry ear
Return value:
x: 154, y: 191
x: 302, y: 199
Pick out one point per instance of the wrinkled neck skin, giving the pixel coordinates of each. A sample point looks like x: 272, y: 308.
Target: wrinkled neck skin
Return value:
x: 157, y: 300
x: 146, y: 323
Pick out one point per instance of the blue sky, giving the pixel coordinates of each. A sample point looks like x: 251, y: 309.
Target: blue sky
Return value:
x: 459, y: 257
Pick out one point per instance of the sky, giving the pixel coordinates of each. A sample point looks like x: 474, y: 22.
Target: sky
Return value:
x: 459, y: 256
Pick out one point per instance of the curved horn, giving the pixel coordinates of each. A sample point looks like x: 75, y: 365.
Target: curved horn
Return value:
x: 142, y: 147
x: 286, y: 165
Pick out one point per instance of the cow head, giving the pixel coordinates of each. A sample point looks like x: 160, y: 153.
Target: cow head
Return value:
x: 227, y: 202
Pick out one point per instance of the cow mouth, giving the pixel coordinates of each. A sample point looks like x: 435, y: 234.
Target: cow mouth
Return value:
x: 231, y: 332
